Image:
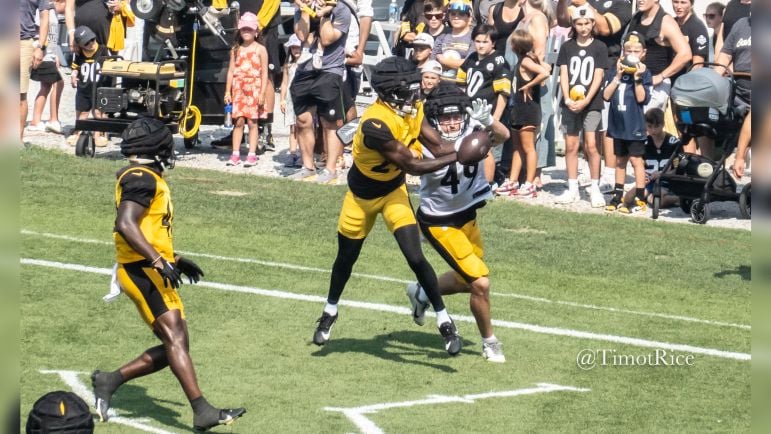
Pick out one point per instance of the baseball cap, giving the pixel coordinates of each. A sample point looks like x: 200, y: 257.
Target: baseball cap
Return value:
x: 424, y: 39
x: 248, y: 21
x: 83, y: 34
x: 634, y: 37
x: 582, y: 12
x: 432, y: 66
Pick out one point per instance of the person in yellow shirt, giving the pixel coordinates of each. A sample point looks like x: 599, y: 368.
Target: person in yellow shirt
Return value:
x: 149, y: 271
x: 386, y: 146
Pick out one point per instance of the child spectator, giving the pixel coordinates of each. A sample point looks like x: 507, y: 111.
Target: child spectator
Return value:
x: 485, y: 74
x: 293, y: 46
x: 421, y: 49
x: 659, y: 146
x: 246, y: 86
x: 451, y: 48
x: 431, y: 75
x: 628, y: 89
x: 582, y: 62
x: 47, y: 73
x: 525, y: 115
x: 85, y: 75
x: 433, y: 13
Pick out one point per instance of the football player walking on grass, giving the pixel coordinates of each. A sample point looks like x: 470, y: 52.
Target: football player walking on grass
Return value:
x: 149, y: 272
x: 385, y: 147
x: 449, y: 200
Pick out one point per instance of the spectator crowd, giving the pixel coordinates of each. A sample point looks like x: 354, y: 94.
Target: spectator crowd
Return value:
x: 596, y: 72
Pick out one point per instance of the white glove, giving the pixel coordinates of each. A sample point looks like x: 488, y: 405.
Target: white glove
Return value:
x: 481, y: 111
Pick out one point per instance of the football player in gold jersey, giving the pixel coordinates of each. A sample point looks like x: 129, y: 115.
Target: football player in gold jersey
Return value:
x: 385, y: 147
x: 149, y: 271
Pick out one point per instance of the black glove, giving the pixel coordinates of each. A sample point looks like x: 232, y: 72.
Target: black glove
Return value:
x: 169, y: 274
x: 189, y: 269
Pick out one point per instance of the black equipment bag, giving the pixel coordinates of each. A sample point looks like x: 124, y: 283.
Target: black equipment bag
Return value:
x: 60, y: 412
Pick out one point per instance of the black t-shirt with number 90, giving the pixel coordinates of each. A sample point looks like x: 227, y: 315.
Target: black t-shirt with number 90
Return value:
x: 582, y: 62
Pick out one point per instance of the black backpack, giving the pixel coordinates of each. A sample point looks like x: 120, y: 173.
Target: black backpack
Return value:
x: 60, y: 412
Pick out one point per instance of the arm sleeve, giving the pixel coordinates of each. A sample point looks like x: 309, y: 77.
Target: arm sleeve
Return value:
x: 138, y: 186
x: 342, y: 18
x: 729, y: 43
x: 501, y: 80
x: 601, y: 59
x: 376, y: 134
x: 699, y: 40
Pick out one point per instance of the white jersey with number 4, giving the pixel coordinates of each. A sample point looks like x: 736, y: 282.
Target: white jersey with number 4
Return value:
x: 454, y: 188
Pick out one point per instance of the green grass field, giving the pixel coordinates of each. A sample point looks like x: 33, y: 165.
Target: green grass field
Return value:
x: 561, y: 282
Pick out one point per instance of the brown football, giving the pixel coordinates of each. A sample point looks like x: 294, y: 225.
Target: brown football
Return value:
x: 474, y: 147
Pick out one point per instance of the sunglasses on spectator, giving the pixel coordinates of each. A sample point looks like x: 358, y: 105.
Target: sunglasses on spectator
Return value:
x: 460, y: 8
x: 436, y: 16
x: 710, y: 16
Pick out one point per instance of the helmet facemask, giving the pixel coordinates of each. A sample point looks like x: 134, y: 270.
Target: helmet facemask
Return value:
x: 451, y: 122
x: 404, y: 99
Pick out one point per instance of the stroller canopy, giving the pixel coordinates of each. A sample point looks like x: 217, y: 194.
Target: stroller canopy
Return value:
x: 702, y: 87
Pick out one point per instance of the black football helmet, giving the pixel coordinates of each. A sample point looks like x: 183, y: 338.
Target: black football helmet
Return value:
x: 447, y: 99
x: 397, y: 83
x: 148, y: 140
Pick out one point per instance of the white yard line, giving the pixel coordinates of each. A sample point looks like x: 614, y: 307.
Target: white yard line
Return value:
x: 405, y: 311
x: 357, y: 414
x: 72, y: 379
x: 397, y: 280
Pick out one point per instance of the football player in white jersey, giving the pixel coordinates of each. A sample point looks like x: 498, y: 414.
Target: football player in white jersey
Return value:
x: 449, y: 198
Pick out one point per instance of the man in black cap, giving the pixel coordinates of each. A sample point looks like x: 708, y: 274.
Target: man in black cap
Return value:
x: 149, y: 271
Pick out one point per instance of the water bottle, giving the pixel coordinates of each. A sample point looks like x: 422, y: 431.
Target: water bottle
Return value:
x: 228, y: 115
x: 393, y: 12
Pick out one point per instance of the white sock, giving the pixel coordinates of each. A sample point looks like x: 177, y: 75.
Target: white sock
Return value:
x: 595, y: 183
x: 573, y: 185
x: 252, y: 154
x: 609, y: 172
x: 490, y: 340
x: 236, y: 154
x: 527, y: 184
x: 442, y: 317
x: 330, y: 309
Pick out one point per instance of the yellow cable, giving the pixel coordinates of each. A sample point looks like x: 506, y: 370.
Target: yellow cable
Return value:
x: 191, y: 111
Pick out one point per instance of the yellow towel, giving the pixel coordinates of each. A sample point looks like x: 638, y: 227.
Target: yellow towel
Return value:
x: 117, y: 38
x: 219, y: 4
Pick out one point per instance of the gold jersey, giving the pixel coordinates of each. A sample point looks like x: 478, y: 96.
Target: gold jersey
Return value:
x: 148, y: 188
x: 372, y: 175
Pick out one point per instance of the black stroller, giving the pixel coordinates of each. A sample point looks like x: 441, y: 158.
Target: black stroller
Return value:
x: 702, y: 102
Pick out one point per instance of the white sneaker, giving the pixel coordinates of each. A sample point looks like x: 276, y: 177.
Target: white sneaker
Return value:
x: 326, y: 177
x: 418, y: 307
x: 493, y: 352
x: 38, y: 128
x: 303, y: 173
x: 596, y: 198
x: 567, y: 197
x: 54, y: 127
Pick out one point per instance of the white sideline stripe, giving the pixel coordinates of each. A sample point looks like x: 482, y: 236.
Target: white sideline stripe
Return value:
x: 366, y: 426
x: 396, y: 280
x: 632, y: 312
x: 403, y: 310
x: 72, y: 379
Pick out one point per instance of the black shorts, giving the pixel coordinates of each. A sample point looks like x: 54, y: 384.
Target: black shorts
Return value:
x: 626, y: 148
x: 145, y: 287
x: 350, y: 87
x: 83, y: 99
x: 46, y: 72
x: 322, y: 91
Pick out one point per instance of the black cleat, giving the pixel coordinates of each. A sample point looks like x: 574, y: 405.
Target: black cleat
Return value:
x: 102, y: 394
x: 225, y: 416
x: 452, y: 341
x: 321, y: 335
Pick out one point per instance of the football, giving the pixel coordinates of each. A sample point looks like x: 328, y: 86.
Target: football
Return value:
x: 578, y: 92
x: 630, y: 64
x: 474, y: 147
